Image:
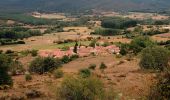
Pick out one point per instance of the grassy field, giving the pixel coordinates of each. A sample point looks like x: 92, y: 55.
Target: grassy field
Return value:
x: 55, y: 46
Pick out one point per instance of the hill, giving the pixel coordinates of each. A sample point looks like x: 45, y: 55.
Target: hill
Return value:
x: 79, y: 5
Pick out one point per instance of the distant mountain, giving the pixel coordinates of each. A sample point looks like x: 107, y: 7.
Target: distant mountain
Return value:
x: 79, y: 5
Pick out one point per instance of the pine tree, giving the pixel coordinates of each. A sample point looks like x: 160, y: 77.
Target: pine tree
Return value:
x: 75, y: 48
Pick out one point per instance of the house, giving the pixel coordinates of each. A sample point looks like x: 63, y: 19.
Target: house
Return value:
x: 81, y: 51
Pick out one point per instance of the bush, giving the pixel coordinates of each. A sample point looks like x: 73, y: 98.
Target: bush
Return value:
x: 106, y: 44
x: 1, y: 51
x: 103, y: 65
x: 28, y: 77
x: 20, y: 42
x: 34, y: 53
x: 161, y: 91
x: 155, y: 58
x: 73, y: 57
x: 65, y: 59
x: 16, y: 67
x: 77, y: 88
x: 124, y: 49
x: 41, y: 65
x: 9, y: 52
x: 121, y: 62
x: 5, y: 78
x: 58, y: 73
x: 30, y: 94
x: 93, y: 43
x: 85, y: 73
x: 92, y: 66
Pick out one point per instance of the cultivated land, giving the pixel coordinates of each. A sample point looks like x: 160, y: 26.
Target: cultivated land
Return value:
x: 123, y: 74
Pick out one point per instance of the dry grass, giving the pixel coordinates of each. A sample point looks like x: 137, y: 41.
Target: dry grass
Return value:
x: 46, y: 41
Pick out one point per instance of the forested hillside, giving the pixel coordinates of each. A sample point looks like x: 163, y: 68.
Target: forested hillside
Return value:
x: 78, y: 5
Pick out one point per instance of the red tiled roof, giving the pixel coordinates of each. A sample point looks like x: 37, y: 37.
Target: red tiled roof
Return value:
x: 82, y: 51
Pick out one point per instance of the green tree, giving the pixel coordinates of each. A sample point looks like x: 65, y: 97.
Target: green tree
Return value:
x: 5, y: 78
x: 78, y: 88
x: 155, y: 58
x: 75, y: 48
x: 124, y: 49
x: 41, y: 65
x: 139, y: 43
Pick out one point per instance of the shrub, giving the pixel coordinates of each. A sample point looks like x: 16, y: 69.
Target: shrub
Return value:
x: 58, y: 73
x: 73, y: 57
x: 65, y: 59
x: 124, y: 49
x: 92, y: 66
x: 85, y: 73
x: 16, y: 67
x: 93, y: 43
x: 106, y: 44
x: 1, y: 51
x: 77, y: 88
x: 103, y: 65
x: 28, y: 77
x: 9, y: 52
x: 161, y: 91
x: 121, y: 62
x: 30, y: 94
x: 20, y: 42
x: 155, y: 58
x: 34, y: 53
x: 65, y: 48
x: 41, y: 65
x: 5, y: 78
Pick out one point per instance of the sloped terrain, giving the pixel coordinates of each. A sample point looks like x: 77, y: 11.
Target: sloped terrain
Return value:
x: 77, y: 5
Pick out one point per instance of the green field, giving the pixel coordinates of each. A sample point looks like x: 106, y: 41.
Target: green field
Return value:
x: 55, y: 46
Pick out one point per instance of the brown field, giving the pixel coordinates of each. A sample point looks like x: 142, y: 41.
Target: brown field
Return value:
x: 59, y: 16
x: 125, y: 78
x: 49, y: 16
x: 46, y: 41
x: 161, y: 37
x: 136, y: 15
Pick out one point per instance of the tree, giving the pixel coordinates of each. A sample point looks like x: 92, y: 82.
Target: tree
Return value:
x: 5, y: 78
x: 155, y: 58
x: 139, y: 43
x: 41, y: 65
x: 124, y: 49
x: 93, y: 43
x: 75, y: 48
x: 78, y: 88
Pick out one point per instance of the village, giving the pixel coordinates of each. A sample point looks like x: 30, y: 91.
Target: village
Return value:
x: 84, y: 55
x: 82, y: 51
